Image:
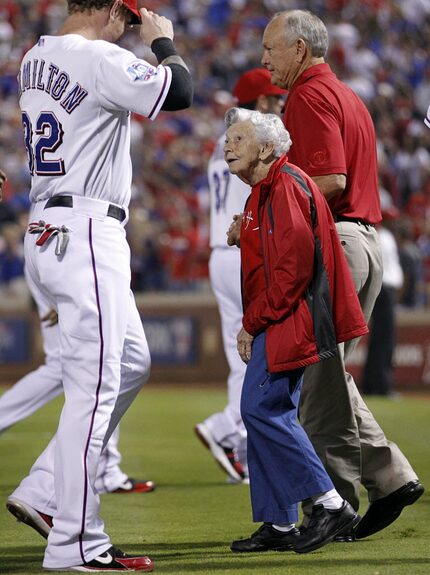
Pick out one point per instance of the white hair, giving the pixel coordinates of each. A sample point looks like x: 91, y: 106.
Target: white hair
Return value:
x: 306, y: 25
x: 268, y: 128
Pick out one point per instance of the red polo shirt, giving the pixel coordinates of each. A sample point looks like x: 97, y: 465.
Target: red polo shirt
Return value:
x: 333, y: 133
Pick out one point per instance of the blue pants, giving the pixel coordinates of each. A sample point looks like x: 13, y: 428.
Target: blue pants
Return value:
x: 283, y: 466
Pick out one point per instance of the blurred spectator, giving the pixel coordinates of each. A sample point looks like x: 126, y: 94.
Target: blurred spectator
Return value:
x: 13, y: 287
x: 11, y: 253
x: 411, y: 294
x: 378, y: 370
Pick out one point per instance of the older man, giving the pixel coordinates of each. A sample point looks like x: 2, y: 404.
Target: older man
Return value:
x: 334, y: 142
x: 294, y: 280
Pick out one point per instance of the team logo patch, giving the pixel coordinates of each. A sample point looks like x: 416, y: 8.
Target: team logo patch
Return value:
x: 140, y: 72
x: 319, y: 158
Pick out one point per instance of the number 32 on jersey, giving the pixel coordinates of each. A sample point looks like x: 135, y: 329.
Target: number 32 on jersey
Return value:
x: 43, y: 138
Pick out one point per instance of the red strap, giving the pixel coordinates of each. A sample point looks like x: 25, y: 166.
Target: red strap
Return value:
x: 48, y: 233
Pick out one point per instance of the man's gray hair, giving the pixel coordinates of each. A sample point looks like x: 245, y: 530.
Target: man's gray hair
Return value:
x: 269, y: 128
x: 307, y: 26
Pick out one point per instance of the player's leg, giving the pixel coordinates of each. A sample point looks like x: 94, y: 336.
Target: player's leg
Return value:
x: 37, y: 489
x: 135, y: 365
x: 109, y: 474
x: 226, y: 427
x: 40, y: 386
x: 35, y: 389
x: 135, y: 369
x: 92, y: 324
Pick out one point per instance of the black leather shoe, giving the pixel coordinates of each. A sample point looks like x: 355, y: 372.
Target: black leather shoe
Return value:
x: 266, y: 538
x: 345, y: 536
x: 324, y: 525
x: 384, y: 511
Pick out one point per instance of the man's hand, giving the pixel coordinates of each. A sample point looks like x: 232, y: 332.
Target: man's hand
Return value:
x: 51, y: 318
x: 244, y: 345
x: 2, y: 181
x: 233, y: 232
x: 154, y: 26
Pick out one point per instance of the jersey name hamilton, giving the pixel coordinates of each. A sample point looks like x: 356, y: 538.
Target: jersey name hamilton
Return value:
x: 39, y: 75
x: 76, y: 98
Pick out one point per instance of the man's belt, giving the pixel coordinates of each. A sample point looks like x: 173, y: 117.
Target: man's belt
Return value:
x: 354, y: 220
x: 67, y: 202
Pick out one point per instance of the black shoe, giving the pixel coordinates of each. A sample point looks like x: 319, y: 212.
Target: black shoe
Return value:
x: 267, y: 538
x: 384, y: 511
x: 345, y: 536
x: 324, y: 525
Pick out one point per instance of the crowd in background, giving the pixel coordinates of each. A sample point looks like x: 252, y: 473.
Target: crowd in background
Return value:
x: 379, y: 47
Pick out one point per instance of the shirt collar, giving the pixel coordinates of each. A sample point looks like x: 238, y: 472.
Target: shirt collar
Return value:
x: 315, y: 70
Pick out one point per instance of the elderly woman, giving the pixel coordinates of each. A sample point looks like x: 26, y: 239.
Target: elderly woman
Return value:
x: 299, y: 302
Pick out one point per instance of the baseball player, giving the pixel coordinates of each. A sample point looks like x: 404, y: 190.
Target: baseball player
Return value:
x: 39, y: 387
x: 77, y: 91
x: 427, y: 118
x: 223, y: 433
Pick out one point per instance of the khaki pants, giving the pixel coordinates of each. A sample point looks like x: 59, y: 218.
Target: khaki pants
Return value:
x: 350, y: 443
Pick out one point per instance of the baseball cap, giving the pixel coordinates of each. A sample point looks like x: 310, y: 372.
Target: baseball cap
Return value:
x: 132, y: 6
x: 254, y: 83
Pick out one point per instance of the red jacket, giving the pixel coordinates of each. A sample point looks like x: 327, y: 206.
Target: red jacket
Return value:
x: 296, y: 283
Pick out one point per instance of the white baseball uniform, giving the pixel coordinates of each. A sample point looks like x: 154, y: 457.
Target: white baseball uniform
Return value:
x: 227, y: 197
x: 42, y: 385
x: 75, y: 99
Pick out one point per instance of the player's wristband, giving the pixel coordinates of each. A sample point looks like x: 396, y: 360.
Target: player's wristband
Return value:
x: 163, y: 48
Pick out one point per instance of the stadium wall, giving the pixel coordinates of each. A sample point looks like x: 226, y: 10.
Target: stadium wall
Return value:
x: 184, y: 335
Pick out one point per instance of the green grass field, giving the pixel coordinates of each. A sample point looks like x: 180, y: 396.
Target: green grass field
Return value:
x: 187, y: 524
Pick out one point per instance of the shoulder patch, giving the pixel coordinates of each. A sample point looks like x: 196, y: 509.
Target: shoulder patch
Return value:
x: 141, y: 72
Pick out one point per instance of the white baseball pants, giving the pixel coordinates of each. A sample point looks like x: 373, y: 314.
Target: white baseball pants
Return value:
x: 104, y: 361
x: 224, y: 269
x: 38, y: 388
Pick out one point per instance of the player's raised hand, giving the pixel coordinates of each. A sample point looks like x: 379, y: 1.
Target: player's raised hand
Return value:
x: 154, y: 26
